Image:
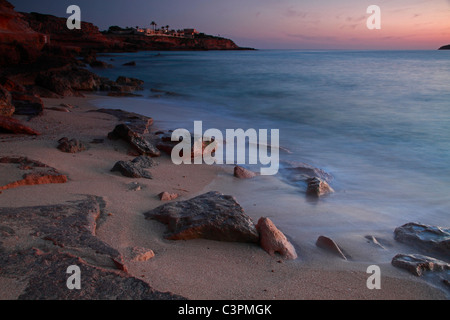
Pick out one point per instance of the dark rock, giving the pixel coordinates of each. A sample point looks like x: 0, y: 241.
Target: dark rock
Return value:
x: 166, y: 145
x: 135, y: 168
x: 136, y: 122
x: 317, y: 187
x: 71, y: 146
x: 446, y: 47
x: 299, y: 171
x: 424, y: 236
x: 242, y: 173
x: 331, y: 246
x: 418, y: 264
x: 100, y: 64
x: 273, y: 240
x: 52, y: 238
x: 131, y: 63
x: 142, y: 145
x: 211, y: 216
x: 133, y: 83
x: 11, y: 125
x: 39, y: 173
x: 26, y: 104
x: 6, y: 107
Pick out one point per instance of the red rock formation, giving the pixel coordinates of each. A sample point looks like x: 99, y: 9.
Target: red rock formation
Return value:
x: 273, y: 240
x: 14, y: 126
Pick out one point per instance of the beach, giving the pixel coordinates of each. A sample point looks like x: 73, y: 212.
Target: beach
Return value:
x: 194, y: 269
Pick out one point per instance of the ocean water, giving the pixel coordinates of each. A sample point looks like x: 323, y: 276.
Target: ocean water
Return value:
x: 378, y: 121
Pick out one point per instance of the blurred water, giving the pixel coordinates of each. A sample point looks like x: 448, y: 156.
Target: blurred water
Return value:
x: 378, y: 121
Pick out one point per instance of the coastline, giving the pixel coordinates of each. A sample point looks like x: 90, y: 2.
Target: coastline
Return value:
x: 195, y: 269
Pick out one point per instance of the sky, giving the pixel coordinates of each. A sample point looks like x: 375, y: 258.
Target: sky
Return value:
x: 276, y: 24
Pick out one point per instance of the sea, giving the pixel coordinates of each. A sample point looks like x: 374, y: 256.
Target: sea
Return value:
x: 377, y: 121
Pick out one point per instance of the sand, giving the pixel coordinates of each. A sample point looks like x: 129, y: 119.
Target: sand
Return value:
x: 195, y: 269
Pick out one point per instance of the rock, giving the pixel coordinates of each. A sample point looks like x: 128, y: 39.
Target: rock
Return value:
x: 26, y: 104
x: 331, y: 246
x: 317, y: 187
x: 131, y: 63
x: 44, y: 241
x: 242, y: 173
x: 123, y: 94
x: 100, y: 64
x: 134, y: 186
x: 166, y: 145
x: 6, y: 107
x: 166, y: 196
x: 211, y: 216
x: 141, y: 254
x: 39, y: 173
x: 424, y: 236
x: 11, y: 125
x: 418, y: 264
x: 70, y: 146
x: 273, y: 240
x: 135, y: 168
x: 136, y: 122
x: 372, y: 239
x: 144, y: 147
x: 299, y: 171
x: 61, y: 109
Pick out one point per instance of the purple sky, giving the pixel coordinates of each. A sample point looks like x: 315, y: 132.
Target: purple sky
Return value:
x: 276, y: 24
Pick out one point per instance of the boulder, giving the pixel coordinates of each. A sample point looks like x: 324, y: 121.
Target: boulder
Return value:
x: 418, y: 264
x: 142, y: 145
x: 136, y: 122
x: 317, y: 187
x: 424, y: 236
x: 135, y: 168
x: 11, y: 125
x: 242, y: 173
x: 211, y: 216
x: 295, y: 171
x: 166, y: 145
x: 273, y: 240
x: 139, y: 254
x: 331, y: 246
x: 100, y: 64
x: 71, y: 146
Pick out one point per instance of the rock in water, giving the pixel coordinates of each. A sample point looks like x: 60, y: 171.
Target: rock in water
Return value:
x: 329, y: 245
x: 317, y: 187
x: 144, y: 147
x: 418, y: 264
x: 242, y: 173
x: 424, y: 236
x: 273, y: 240
x: 211, y: 216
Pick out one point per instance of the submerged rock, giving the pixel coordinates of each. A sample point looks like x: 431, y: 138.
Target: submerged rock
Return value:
x: 317, y: 187
x: 331, y: 246
x: 418, y: 264
x: 211, y: 216
x: 273, y: 240
x: 424, y: 236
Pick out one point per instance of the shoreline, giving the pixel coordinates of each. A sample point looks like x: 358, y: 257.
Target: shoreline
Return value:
x: 195, y: 269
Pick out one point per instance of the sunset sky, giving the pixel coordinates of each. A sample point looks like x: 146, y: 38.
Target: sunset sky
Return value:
x: 276, y: 24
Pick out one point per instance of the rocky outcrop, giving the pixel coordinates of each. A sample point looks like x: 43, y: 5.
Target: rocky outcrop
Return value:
x: 71, y: 146
x: 10, y: 125
x: 38, y: 173
x: 6, y: 107
x: 135, y: 168
x: 211, y: 216
x: 44, y: 241
x: 27, y: 104
x: 139, y: 142
x: 424, y: 236
x: 331, y: 246
x: 447, y: 47
x: 136, y: 122
x: 418, y: 264
x: 273, y: 240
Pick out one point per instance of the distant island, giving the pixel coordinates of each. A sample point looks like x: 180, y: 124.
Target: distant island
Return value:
x: 447, y: 47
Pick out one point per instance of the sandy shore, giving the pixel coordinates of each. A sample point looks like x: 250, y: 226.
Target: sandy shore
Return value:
x: 196, y: 269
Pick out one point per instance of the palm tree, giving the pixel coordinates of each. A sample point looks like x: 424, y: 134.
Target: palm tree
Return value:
x: 154, y: 25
